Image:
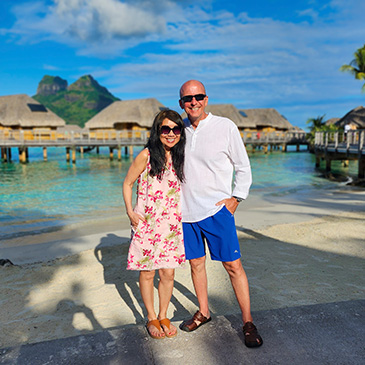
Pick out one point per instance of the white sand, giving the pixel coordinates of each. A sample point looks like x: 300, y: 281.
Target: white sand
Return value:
x: 295, y: 252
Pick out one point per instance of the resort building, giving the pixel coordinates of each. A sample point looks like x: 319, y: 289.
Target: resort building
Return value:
x: 131, y: 115
x: 354, y: 118
x: 70, y: 130
x: 266, y: 120
x: 231, y: 112
x: 22, y: 114
x: 332, y: 121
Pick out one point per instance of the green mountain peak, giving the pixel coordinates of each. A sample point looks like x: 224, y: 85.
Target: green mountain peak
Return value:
x: 76, y: 103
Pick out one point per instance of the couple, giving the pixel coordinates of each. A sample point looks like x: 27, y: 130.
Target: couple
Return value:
x: 163, y: 233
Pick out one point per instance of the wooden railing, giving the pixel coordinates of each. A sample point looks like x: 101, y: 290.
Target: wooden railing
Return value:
x: 83, y: 138
x: 351, y: 142
x: 274, y: 137
x: 124, y: 138
x: 331, y: 146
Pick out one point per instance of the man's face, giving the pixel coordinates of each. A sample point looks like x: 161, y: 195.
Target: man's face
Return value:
x: 195, y: 109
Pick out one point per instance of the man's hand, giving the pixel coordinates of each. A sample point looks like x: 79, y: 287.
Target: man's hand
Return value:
x: 231, y: 204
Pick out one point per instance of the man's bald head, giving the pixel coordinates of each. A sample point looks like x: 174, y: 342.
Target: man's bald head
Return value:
x: 192, y: 84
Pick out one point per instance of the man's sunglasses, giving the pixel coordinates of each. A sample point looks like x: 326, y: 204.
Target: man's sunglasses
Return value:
x: 189, y: 98
x: 166, y: 130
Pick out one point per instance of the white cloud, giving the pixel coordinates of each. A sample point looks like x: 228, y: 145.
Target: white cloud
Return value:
x: 311, y: 13
x: 97, y: 19
x: 51, y: 67
x: 77, y: 22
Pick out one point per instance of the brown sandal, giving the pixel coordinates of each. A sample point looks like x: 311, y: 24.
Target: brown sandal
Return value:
x: 166, y: 322
x: 252, y: 337
x: 156, y: 323
x: 190, y: 325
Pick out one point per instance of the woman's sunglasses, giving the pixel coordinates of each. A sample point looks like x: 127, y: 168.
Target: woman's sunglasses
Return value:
x: 166, y: 130
x: 189, y: 98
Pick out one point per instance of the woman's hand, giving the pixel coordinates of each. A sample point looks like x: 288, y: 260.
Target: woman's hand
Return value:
x: 135, y: 218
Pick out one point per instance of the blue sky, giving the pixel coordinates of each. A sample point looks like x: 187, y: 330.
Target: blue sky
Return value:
x: 282, y: 54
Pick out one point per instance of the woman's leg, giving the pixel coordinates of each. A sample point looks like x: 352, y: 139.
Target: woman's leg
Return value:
x: 146, y: 288
x: 165, y: 288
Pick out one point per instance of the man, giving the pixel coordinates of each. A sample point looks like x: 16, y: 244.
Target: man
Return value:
x: 346, y: 130
x: 214, y: 149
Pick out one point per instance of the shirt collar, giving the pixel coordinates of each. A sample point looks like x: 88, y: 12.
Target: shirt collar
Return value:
x: 201, y: 124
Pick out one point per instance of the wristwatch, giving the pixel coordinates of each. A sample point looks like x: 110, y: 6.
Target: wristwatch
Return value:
x: 238, y: 199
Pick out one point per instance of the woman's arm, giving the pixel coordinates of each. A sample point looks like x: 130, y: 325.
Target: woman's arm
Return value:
x: 136, y: 168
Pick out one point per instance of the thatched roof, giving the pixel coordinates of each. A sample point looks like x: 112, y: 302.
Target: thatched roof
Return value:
x: 228, y: 111
x: 69, y: 128
x: 139, y: 111
x: 23, y: 111
x: 355, y: 116
x: 267, y: 117
x: 331, y: 121
x: 297, y: 129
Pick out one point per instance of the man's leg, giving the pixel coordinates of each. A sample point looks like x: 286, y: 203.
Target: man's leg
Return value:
x: 240, y: 286
x: 199, y: 277
x: 200, y: 281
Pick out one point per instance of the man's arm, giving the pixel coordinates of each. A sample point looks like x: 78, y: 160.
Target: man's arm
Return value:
x: 242, y: 167
x: 241, y: 163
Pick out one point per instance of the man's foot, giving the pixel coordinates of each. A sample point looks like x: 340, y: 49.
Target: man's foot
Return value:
x: 154, y: 329
x: 195, y: 322
x: 252, y: 337
x: 169, y: 329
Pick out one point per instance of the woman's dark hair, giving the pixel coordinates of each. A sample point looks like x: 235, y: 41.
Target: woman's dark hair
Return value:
x: 156, y: 148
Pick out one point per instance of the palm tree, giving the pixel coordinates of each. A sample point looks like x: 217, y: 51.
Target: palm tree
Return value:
x: 319, y: 125
x: 357, y: 66
x: 316, y: 123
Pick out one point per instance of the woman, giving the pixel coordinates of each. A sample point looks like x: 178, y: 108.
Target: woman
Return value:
x: 157, y: 239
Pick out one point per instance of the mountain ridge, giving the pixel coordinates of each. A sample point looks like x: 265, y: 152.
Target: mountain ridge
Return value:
x: 75, y: 103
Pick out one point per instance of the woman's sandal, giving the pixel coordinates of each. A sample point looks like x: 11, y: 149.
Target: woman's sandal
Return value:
x: 166, y: 322
x: 252, y: 337
x: 155, y: 323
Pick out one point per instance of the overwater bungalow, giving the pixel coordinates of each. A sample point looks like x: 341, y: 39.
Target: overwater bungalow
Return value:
x: 135, y: 115
x: 331, y: 121
x: 355, y: 118
x: 231, y: 112
x: 266, y: 120
x: 22, y: 114
x: 69, y: 130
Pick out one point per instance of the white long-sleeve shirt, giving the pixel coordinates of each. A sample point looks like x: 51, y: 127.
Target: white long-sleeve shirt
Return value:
x: 214, y: 150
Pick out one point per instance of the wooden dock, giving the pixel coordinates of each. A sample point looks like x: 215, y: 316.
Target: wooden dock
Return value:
x: 72, y: 141
x: 275, y: 139
x: 117, y: 140
x: 331, y: 146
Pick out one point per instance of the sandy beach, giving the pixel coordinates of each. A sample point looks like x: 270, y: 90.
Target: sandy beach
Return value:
x: 296, y: 251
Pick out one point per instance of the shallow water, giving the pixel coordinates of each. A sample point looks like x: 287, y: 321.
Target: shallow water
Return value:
x: 41, y: 196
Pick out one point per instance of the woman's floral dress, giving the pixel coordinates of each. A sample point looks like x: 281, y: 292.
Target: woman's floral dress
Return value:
x: 157, y: 242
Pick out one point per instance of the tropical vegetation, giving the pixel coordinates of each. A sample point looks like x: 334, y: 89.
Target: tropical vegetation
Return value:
x: 319, y: 125
x: 357, y: 66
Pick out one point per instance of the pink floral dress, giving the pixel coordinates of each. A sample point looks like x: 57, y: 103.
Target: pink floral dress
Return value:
x: 157, y: 243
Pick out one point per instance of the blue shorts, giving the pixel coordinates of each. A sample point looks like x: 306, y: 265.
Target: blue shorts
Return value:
x: 220, y: 233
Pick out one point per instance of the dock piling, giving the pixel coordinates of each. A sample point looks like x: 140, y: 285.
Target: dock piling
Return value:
x: 45, y: 154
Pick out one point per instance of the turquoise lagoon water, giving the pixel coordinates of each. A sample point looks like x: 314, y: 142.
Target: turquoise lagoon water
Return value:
x: 41, y: 196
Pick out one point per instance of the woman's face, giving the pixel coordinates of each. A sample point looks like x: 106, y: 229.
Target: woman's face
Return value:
x: 169, y: 134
